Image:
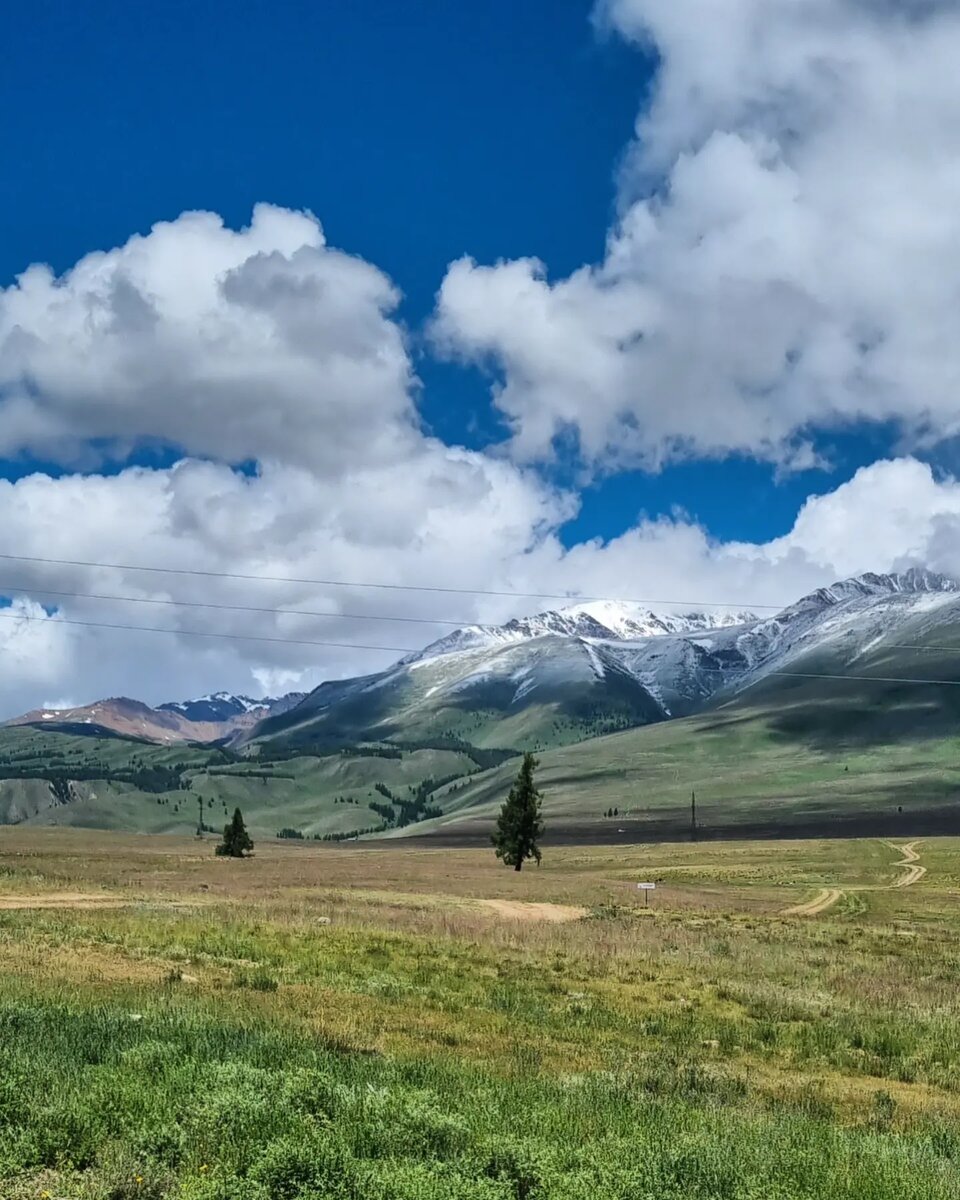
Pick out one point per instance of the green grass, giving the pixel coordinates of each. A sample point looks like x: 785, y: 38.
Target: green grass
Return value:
x: 743, y: 767
x: 292, y: 1033
x: 164, y: 1103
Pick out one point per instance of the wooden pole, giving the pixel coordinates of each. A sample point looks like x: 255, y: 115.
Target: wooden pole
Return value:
x: 693, y: 816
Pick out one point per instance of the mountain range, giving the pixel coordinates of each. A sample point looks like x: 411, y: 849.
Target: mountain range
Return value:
x: 846, y: 702
x: 207, y: 719
x: 590, y: 669
x: 550, y: 679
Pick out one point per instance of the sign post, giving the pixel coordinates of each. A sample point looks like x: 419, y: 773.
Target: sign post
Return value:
x: 646, y: 888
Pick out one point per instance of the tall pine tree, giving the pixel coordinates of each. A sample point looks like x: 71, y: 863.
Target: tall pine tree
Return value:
x: 236, y: 841
x: 520, y: 824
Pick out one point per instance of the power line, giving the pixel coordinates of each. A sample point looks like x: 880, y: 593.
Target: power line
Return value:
x: 393, y: 587
x: 938, y: 649
x: 861, y: 678
x: 236, y: 637
x: 9, y: 589
x: 412, y: 649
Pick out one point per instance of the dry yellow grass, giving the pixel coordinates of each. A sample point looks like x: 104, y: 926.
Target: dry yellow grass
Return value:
x: 446, y: 952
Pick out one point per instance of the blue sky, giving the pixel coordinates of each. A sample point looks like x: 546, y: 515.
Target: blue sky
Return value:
x: 417, y: 132
x: 628, y: 298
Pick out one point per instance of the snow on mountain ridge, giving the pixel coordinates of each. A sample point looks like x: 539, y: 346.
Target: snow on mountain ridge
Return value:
x: 682, y: 659
x: 627, y: 620
x: 223, y: 702
x: 628, y: 662
x: 598, y: 620
x: 870, y: 586
x: 226, y: 706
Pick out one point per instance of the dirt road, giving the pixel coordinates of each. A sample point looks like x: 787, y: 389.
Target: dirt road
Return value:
x: 914, y: 871
x: 521, y: 910
x: 827, y: 897
x: 38, y: 900
x: 821, y: 901
x: 62, y: 900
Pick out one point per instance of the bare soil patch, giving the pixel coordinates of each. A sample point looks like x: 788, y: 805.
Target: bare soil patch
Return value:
x: 523, y: 910
x: 63, y: 900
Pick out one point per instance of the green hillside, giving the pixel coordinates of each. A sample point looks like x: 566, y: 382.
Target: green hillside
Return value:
x: 749, y: 777
x: 474, y: 697
x: 110, y: 782
x: 832, y: 746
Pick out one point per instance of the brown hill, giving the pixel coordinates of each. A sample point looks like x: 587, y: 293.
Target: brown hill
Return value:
x: 135, y: 719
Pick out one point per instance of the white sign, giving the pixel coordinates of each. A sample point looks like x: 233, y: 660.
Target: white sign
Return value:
x: 646, y: 887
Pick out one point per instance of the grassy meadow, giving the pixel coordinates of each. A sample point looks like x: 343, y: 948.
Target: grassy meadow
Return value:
x: 752, y: 768
x: 405, y: 1023
x: 809, y: 764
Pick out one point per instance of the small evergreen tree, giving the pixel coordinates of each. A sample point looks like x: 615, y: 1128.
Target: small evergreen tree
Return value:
x: 236, y: 841
x: 520, y: 824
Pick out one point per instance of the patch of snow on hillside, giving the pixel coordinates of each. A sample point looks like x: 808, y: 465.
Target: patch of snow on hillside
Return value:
x: 598, y: 668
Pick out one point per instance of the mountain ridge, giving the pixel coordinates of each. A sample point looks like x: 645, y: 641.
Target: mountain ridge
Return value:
x: 660, y: 666
x: 208, y: 719
x: 781, y: 722
x: 562, y: 674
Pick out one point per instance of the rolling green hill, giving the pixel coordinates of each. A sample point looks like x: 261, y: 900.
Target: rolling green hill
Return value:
x: 840, y: 714
x: 829, y: 745
x: 90, y: 779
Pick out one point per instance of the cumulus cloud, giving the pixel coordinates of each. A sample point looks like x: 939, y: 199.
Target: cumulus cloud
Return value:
x: 36, y: 649
x: 786, y: 253
x: 470, y: 522
x: 265, y: 344
x: 444, y: 517
x: 258, y: 343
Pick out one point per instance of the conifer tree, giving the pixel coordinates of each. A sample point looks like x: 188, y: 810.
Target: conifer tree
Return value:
x: 236, y: 841
x: 520, y: 824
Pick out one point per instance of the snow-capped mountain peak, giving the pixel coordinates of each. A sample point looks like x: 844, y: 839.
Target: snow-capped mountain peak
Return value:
x: 596, y: 620
x: 625, y: 621
x: 217, y: 706
x: 225, y: 706
x: 869, y: 585
x: 604, y: 665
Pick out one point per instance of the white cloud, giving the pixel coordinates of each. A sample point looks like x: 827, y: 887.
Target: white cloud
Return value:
x: 894, y: 513
x: 267, y: 345
x: 787, y: 251
x: 443, y: 517
x: 36, y: 650
x: 262, y: 343
x: 469, y: 522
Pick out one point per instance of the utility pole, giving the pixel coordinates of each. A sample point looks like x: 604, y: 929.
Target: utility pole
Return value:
x: 693, y: 816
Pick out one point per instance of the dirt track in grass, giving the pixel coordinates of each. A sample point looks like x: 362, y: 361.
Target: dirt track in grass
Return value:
x: 829, y: 896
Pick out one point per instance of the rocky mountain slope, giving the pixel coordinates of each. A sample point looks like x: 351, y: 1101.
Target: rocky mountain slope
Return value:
x: 562, y: 676
x: 222, y: 707
x: 208, y: 719
x: 840, y: 706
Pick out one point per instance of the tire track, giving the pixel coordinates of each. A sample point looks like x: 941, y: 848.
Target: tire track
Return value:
x: 524, y: 910
x: 828, y: 896
x: 914, y: 871
x: 822, y: 900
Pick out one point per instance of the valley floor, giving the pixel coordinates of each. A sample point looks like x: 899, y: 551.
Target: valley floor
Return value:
x: 390, y: 1021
